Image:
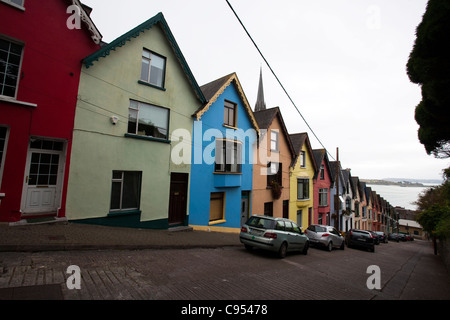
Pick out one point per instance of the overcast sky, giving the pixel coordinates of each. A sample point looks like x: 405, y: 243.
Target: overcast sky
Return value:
x: 341, y: 61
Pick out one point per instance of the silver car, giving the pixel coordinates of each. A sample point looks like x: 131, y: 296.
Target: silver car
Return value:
x: 274, y: 234
x: 326, y: 236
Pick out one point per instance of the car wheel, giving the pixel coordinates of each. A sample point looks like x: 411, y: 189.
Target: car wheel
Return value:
x: 330, y: 246
x: 372, y: 249
x: 248, y: 247
x: 283, y: 250
x: 342, y: 246
x: 305, y: 248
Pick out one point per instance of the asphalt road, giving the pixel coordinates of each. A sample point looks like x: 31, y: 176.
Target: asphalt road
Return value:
x: 408, y: 270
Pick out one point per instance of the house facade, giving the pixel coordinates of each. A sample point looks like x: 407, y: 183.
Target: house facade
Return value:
x: 323, y: 181
x: 225, y: 133
x: 133, y: 132
x: 302, y: 170
x: 39, y: 78
x: 271, y: 181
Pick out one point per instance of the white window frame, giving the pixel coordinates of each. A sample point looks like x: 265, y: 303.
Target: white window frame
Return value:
x: 121, y: 181
x: 149, y: 61
x: 228, y: 157
x: 3, y: 152
x: 323, y: 194
x: 302, y: 159
x: 274, y: 140
x: 136, y: 109
x: 21, y: 44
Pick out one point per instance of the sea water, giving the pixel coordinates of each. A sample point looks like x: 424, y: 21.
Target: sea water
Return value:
x: 399, y: 196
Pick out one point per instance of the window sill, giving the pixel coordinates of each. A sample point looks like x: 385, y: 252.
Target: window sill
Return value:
x: 230, y: 127
x: 14, y: 101
x: 123, y: 213
x: 219, y: 172
x: 151, y: 85
x: 300, y: 200
x: 211, y: 223
x: 135, y: 136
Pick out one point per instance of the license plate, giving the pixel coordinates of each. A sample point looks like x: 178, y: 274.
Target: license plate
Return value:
x: 257, y: 232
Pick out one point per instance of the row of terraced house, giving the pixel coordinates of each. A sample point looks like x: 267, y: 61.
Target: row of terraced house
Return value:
x: 121, y: 134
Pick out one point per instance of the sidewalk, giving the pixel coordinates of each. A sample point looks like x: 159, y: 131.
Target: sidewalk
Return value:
x: 74, y: 236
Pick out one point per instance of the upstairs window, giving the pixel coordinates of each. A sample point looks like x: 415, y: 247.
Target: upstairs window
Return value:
x: 303, y: 159
x: 153, y: 68
x: 10, y: 57
x: 229, y: 116
x: 274, y: 173
x: 302, y: 189
x: 148, y: 120
x: 228, y: 156
x: 274, y: 145
x: 322, y: 172
x: 323, y: 197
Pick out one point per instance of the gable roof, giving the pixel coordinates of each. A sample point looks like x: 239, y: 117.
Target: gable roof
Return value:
x: 319, y: 156
x: 298, y: 140
x: 134, y: 33
x: 212, y: 90
x: 265, y: 119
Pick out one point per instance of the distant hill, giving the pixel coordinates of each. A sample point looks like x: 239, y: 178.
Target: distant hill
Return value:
x: 393, y: 183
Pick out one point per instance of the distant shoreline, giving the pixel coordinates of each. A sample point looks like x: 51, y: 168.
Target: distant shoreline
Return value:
x: 392, y: 183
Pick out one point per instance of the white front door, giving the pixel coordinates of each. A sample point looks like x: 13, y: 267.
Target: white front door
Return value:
x: 43, y: 180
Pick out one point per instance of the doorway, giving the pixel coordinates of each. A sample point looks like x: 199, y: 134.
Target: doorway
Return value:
x: 178, y: 198
x: 245, y: 206
x: 43, y: 177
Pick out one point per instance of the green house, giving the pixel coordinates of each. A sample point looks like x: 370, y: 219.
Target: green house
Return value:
x: 134, y: 112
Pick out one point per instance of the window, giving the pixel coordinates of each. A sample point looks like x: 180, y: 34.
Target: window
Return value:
x: 228, y: 156
x: 216, y: 206
x: 153, y: 68
x: 3, y: 139
x: 148, y: 120
x: 10, y: 57
x: 274, y: 140
x: 229, y: 114
x: 322, y: 172
x: 268, y: 209
x: 323, y: 197
x: 274, y: 173
x: 125, y: 190
x: 303, y: 159
x: 302, y: 189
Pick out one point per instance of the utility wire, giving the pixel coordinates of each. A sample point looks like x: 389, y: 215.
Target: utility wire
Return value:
x: 276, y: 77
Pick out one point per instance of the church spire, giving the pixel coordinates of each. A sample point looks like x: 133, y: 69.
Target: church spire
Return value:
x: 260, y: 103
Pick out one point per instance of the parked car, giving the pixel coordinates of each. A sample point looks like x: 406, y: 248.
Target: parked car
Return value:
x: 274, y: 234
x: 360, y: 238
x: 402, y: 236
x: 325, y: 236
x: 407, y: 236
x: 394, y: 237
x: 382, y: 236
x: 376, y: 239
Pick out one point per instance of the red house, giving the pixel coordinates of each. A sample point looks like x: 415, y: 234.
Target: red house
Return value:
x: 322, y: 182
x: 42, y: 44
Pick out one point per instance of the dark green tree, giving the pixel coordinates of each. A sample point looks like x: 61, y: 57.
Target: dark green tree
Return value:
x: 429, y: 66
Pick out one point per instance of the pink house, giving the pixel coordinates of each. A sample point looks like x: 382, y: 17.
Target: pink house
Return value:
x: 322, y: 183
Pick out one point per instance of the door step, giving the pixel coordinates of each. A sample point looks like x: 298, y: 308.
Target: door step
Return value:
x: 181, y: 228
x: 38, y: 220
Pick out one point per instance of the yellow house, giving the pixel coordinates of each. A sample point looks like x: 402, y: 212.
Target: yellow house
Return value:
x: 301, y: 173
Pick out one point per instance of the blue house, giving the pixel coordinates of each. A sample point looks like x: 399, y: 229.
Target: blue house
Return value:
x: 225, y: 132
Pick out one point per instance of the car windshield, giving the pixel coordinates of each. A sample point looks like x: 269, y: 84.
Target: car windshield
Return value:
x: 262, y: 223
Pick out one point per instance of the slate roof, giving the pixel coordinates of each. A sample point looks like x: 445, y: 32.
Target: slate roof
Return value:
x: 107, y: 49
x: 212, y: 90
x: 319, y: 156
x: 297, y: 140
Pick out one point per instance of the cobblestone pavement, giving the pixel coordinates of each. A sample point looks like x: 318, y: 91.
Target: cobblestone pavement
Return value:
x: 408, y: 271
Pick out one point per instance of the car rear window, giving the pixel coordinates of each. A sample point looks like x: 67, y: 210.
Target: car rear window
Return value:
x: 262, y: 223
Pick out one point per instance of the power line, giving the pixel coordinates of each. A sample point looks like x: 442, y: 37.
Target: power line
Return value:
x: 276, y: 77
